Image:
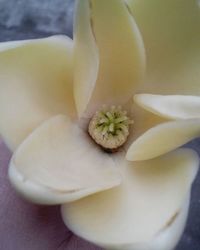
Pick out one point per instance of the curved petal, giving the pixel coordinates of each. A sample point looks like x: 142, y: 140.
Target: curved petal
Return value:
x: 109, y: 54
x: 145, y: 204
x: 170, y: 106
x: 58, y: 163
x: 170, y: 235
x: 86, y: 58
x: 170, y: 30
x: 35, y: 84
x: 163, y: 138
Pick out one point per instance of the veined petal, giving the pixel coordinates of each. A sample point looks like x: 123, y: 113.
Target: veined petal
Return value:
x: 109, y: 54
x: 59, y: 163
x: 170, y: 30
x: 128, y: 215
x: 163, y: 138
x: 172, y: 106
x: 35, y: 84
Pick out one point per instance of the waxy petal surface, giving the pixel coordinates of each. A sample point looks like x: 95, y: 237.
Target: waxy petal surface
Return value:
x: 59, y: 163
x: 172, y: 106
x: 109, y: 54
x: 35, y: 84
x: 128, y: 214
x: 86, y: 58
x: 163, y: 138
x: 171, y: 34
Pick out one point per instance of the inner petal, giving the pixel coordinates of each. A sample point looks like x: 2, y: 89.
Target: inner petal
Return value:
x: 171, y: 44
x: 163, y: 138
x: 109, y: 54
x: 170, y: 106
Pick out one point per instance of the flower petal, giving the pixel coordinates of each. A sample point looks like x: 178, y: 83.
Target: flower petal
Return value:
x: 170, y: 30
x: 35, y: 84
x: 163, y: 138
x: 109, y: 53
x: 141, y: 208
x: 58, y: 163
x: 172, y: 106
x: 86, y: 58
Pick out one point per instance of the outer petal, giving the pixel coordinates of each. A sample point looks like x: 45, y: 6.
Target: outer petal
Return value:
x: 109, y: 53
x: 58, y: 163
x: 135, y: 214
x: 172, y: 106
x: 171, y: 34
x: 163, y: 138
x: 35, y: 84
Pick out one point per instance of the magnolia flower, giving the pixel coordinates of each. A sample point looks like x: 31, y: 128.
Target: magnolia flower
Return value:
x: 66, y: 111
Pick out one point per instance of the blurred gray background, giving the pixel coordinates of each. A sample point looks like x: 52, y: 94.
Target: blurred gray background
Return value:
x: 24, y: 19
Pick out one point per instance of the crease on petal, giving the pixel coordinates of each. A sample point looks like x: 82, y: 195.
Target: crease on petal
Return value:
x: 35, y: 84
x: 86, y: 58
x: 170, y: 106
x: 163, y: 138
x: 114, y: 35
x: 169, y: 236
x: 58, y: 163
x: 128, y: 215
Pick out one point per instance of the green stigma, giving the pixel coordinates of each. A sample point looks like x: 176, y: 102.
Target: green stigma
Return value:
x: 109, y: 127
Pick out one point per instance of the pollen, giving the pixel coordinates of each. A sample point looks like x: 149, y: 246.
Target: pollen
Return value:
x: 109, y: 127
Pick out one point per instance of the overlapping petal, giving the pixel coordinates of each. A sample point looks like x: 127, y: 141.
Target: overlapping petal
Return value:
x: 145, y: 204
x: 86, y: 58
x: 35, y: 84
x: 172, y: 106
x: 58, y: 163
x: 170, y: 30
x: 163, y: 138
x: 109, y: 54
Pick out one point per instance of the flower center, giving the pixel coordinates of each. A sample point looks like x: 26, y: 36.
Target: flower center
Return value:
x: 109, y: 128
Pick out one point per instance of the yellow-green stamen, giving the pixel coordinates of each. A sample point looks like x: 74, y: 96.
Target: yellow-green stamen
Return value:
x: 110, y: 127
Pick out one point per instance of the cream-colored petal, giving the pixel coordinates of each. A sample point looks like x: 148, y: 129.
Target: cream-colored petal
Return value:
x: 86, y: 58
x: 170, y: 235
x: 59, y: 163
x: 14, y: 44
x: 143, y: 121
x: 109, y: 54
x: 172, y: 106
x: 166, y: 239
x: 171, y: 34
x: 163, y: 138
x: 141, y: 208
x: 35, y: 84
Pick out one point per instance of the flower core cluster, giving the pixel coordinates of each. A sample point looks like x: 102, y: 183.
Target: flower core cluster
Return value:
x: 109, y: 127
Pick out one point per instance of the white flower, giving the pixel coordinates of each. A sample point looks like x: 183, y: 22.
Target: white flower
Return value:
x: 135, y: 198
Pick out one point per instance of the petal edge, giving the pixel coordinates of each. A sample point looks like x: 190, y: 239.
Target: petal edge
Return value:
x: 58, y: 163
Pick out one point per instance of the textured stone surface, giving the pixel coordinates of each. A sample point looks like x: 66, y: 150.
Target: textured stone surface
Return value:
x: 23, y: 19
